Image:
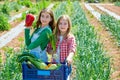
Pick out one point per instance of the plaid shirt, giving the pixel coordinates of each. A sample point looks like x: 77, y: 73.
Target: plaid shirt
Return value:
x: 67, y: 45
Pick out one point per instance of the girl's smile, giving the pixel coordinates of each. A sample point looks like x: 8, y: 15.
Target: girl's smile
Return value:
x: 63, y: 26
x: 45, y: 18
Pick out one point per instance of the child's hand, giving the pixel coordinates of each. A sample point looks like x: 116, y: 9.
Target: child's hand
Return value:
x: 55, y: 56
x: 51, y: 52
x: 70, y: 58
x: 69, y: 61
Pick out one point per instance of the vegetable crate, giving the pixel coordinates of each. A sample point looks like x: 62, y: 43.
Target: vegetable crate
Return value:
x: 37, y: 74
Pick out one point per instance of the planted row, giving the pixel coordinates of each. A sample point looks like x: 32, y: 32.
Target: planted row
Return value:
x: 91, y: 62
x: 112, y: 25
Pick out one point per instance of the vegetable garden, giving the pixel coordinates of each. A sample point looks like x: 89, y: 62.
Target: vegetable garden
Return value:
x: 94, y: 59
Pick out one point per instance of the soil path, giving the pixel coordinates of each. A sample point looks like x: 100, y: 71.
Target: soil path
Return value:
x: 4, y: 39
x: 112, y: 8
x: 109, y: 12
x: 109, y: 44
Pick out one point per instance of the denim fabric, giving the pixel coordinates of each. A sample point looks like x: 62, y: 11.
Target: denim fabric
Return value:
x: 68, y: 70
x: 38, y: 52
x: 42, y: 55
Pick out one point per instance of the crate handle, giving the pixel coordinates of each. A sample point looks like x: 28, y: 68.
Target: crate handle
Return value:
x: 47, y: 73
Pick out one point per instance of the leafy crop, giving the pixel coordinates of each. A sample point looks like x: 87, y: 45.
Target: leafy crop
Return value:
x: 4, y: 25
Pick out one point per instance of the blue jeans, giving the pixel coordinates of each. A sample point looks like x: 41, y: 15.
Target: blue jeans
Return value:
x: 68, y: 70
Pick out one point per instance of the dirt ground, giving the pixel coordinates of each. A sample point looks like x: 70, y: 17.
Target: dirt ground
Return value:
x: 112, y: 8
x: 15, y: 43
x: 108, y: 42
x: 12, y: 25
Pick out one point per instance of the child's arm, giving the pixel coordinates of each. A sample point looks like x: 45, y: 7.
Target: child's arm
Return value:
x: 41, y: 40
x: 70, y: 58
x: 49, y: 49
x: 72, y: 49
x: 28, y: 23
x: 27, y: 36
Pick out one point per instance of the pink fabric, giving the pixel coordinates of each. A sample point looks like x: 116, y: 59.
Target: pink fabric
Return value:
x: 67, y: 45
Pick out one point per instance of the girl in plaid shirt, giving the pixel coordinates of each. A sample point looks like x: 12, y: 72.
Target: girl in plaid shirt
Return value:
x: 65, y: 44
